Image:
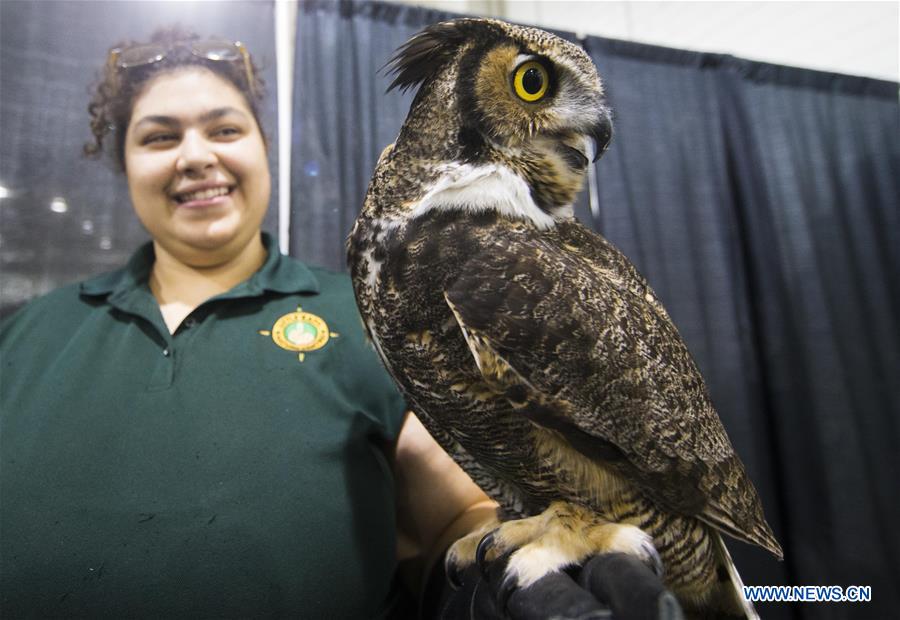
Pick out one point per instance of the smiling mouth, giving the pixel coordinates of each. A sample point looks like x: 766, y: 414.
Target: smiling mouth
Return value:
x: 203, y: 194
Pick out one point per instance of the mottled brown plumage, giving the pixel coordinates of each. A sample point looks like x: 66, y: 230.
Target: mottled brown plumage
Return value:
x: 531, y: 348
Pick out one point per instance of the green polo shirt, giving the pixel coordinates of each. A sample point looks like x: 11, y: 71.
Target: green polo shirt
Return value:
x: 232, y: 469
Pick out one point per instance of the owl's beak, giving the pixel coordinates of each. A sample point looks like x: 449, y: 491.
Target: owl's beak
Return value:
x: 587, y: 145
x: 601, y: 134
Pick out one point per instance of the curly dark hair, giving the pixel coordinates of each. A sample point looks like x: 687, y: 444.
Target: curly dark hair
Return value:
x: 114, y: 94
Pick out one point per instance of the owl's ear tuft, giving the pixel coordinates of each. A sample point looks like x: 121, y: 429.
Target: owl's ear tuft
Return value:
x: 428, y: 52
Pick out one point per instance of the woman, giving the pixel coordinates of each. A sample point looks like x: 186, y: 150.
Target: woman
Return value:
x: 205, y: 432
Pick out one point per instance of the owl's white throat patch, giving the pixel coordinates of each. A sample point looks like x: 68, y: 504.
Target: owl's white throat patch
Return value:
x: 480, y: 188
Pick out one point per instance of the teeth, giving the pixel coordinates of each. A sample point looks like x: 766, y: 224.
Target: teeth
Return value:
x: 204, y: 194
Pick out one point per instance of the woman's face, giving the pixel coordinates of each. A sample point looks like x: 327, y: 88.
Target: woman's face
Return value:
x: 196, y: 166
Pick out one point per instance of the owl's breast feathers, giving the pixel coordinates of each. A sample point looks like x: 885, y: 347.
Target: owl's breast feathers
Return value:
x: 483, y: 320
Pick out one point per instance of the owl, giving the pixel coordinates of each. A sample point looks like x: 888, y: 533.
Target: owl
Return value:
x: 531, y: 348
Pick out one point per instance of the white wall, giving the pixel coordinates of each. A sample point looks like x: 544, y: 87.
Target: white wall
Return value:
x: 859, y: 38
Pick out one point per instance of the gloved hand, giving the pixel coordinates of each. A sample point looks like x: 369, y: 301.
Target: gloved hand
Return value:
x: 612, y: 586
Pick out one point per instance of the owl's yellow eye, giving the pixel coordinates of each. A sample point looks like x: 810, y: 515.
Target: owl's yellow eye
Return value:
x: 531, y: 81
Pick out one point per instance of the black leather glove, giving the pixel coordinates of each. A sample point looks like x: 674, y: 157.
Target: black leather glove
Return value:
x: 612, y: 586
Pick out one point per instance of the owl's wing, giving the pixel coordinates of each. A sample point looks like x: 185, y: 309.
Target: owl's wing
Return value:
x: 578, y: 349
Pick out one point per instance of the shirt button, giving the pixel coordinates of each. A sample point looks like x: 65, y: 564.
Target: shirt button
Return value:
x: 166, y: 352
x: 190, y: 322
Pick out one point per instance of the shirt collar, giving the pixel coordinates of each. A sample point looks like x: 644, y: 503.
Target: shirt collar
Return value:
x: 278, y: 273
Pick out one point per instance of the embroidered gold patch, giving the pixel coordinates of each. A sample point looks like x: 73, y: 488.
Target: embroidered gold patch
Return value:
x: 300, y: 331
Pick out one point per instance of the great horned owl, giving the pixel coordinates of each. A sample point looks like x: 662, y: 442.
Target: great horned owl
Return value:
x: 531, y: 348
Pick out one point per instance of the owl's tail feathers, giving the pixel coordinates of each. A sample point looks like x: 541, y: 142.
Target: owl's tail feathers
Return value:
x: 754, y: 531
x: 766, y: 538
x: 733, y: 591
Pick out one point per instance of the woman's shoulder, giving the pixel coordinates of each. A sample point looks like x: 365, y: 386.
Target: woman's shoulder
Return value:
x: 54, y: 310
x: 333, y: 286
x: 57, y: 300
x: 330, y: 280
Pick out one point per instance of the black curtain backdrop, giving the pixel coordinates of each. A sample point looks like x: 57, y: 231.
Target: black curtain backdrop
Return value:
x: 50, y: 52
x: 665, y: 200
x: 762, y: 204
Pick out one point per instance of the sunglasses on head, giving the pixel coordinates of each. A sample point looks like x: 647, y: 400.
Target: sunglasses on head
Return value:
x: 123, y: 58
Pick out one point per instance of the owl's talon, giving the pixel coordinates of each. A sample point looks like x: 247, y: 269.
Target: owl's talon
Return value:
x: 653, y: 559
x: 451, y: 570
x: 507, y: 587
x: 487, y: 541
